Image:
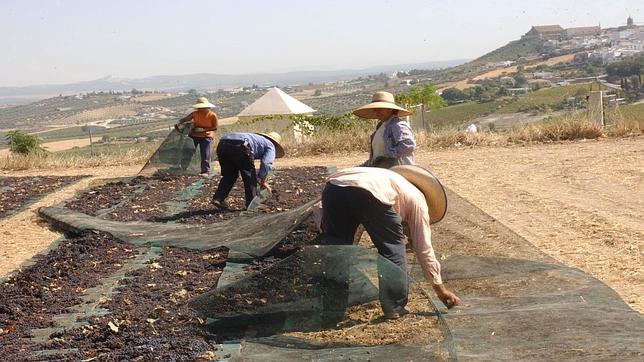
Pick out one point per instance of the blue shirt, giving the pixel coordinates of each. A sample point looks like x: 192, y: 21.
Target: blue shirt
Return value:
x: 263, y: 149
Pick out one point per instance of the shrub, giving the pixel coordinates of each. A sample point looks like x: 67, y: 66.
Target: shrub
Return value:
x: 24, y: 144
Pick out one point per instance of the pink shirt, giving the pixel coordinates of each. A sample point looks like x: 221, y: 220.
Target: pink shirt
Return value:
x: 392, y: 189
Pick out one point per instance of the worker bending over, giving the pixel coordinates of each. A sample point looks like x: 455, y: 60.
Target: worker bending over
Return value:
x: 236, y: 153
x: 381, y: 200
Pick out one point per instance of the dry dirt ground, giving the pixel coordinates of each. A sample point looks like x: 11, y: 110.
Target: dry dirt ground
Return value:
x: 581, y: 203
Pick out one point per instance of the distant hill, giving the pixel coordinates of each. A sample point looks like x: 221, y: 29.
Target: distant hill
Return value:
x: 209, y: 81
x: 524, y: 47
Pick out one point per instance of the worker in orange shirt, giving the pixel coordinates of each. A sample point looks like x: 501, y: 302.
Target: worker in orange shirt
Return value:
x: 204, y: 123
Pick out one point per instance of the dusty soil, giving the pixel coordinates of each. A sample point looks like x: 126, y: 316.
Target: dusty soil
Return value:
x: 579, y: 202
x: 576, y: 201
x: 569, y: 199
x: 16, y: 191
x: 365, y: 325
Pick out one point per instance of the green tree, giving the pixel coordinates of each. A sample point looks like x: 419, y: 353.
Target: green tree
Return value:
x: 24, y: 144
x: 519, y: 78
x: 502, y: 92
x: 452, y: 95
x: 426, y: 95
x: 626, y: 68
x: 310, y: 124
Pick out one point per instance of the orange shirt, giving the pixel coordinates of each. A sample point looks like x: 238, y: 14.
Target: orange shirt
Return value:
x: 200, y: 120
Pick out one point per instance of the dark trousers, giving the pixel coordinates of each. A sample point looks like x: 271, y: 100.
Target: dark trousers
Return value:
x: 204, y: 152
x: 236, y: 157
x: 347, y: 207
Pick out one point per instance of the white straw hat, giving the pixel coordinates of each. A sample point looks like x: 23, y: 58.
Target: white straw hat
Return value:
x: 380, y: 100
x: 277, y: 141
x: 202, y: 102
x: 430, y: 186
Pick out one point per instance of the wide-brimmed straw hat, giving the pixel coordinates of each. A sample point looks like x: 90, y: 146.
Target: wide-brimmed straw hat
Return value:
x: 430, y: 186
x: 202, y: 102
x: 277, y: 141
x: 380, y: 100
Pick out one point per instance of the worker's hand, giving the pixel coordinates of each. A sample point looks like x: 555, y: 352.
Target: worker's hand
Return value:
x: 264, y: 184
x: 448, y: 298
x: 198, y: 129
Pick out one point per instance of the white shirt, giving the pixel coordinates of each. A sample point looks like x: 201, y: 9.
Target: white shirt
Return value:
x: 408, y: 201
x: 378, y: 142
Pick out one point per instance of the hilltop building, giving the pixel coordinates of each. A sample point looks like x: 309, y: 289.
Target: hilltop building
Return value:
x: 554, y: 32
x: 580, y: 32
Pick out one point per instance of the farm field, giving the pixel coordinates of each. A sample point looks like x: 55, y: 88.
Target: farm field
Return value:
x: 561, y: 198
x: 465, y: 83
x: 498, y: 72
x: 545, y: 206
x: 459, y: 115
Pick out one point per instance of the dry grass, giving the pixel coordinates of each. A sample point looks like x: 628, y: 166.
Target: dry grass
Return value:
x: 330, y: 143
x: 133, y: 156
x: 569, y: 128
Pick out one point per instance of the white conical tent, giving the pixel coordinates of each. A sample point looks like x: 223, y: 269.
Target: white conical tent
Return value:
x: 275, y: 102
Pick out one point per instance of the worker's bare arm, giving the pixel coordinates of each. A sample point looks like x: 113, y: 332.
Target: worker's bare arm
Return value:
x: 447, y: 297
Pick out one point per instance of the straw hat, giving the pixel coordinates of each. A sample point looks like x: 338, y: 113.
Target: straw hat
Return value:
x: 380, y: 100
x: 430, y: 186
x: 277, y: 141
x: 202, y: 102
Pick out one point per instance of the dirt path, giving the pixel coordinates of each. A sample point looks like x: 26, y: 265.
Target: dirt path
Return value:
x: 581, y: 203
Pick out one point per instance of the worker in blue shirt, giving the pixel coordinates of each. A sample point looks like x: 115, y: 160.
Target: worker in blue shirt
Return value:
x: 236, y: 153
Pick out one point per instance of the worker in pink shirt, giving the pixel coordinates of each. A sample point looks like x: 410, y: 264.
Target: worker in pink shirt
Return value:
x: 381, y: 200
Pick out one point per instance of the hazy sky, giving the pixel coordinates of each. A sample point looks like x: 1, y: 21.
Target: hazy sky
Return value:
x: 61, y: 41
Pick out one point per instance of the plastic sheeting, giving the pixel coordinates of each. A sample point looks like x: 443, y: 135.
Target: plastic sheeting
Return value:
x: 176, y: 154
x: 518, y: 303
x: 311, y: 289
x: 308, y: 291
x: 248, y: 236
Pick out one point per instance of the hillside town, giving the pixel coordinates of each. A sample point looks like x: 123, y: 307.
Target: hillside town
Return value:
x: 600, y: 46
